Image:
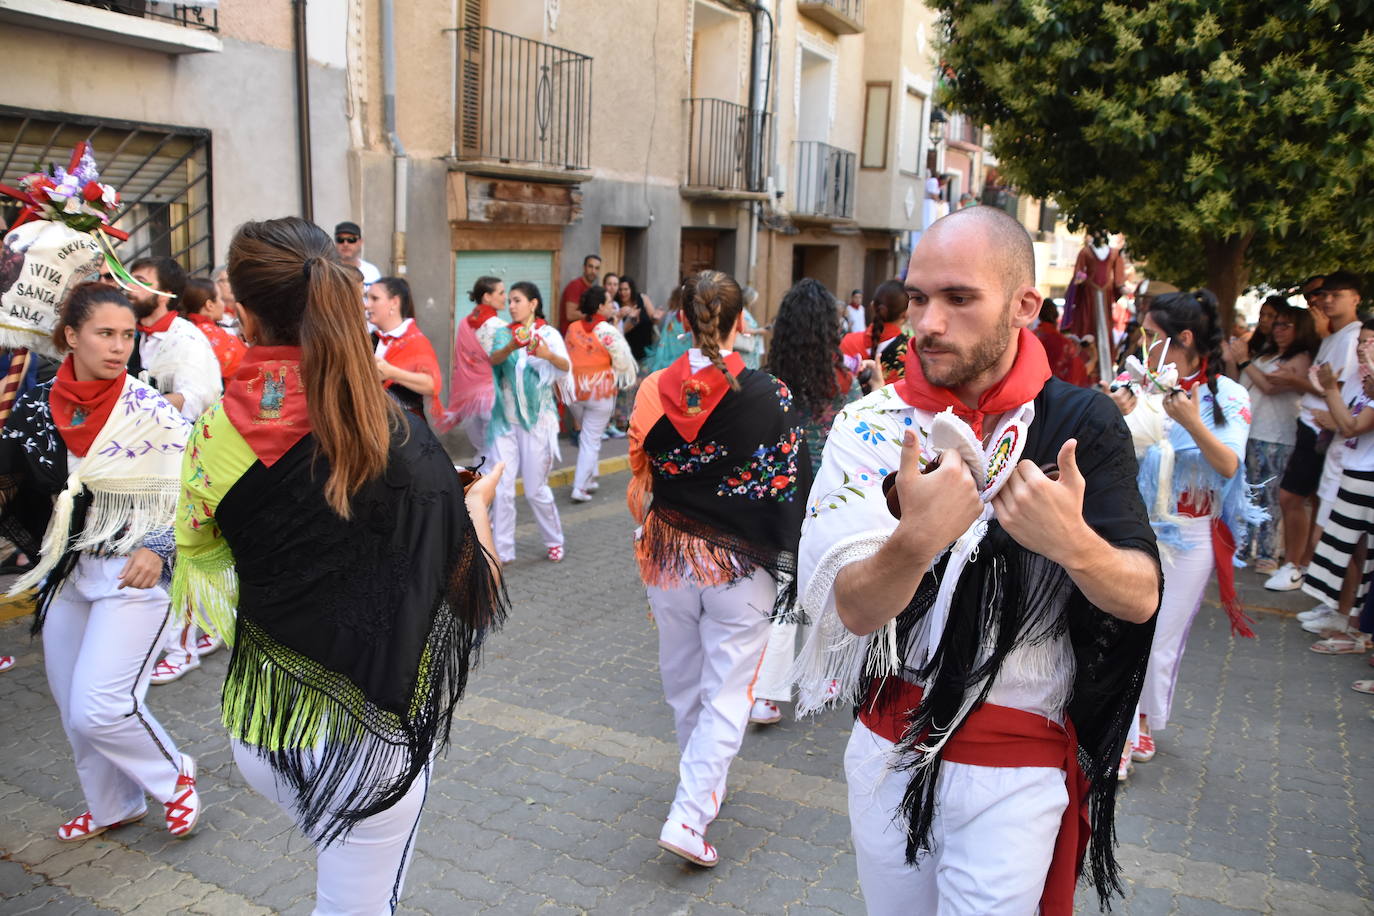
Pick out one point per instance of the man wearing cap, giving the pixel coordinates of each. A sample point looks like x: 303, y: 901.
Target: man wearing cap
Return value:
x: 1312, y: 470
x: 348, y: 238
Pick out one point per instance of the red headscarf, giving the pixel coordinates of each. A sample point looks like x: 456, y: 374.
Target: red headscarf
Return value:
x: 1028, y: 375
x: 80, y: 409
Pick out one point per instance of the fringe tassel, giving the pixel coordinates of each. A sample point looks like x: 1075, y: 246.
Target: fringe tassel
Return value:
x: 1241, y: 622
x: 206, y: 586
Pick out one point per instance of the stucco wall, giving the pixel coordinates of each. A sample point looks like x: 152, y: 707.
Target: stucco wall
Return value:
x: 244, y: 95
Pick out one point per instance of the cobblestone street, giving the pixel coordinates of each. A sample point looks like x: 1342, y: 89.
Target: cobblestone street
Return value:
x: 563, y: 764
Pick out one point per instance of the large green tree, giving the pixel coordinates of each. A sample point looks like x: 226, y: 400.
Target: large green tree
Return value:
x: 1231, y: 140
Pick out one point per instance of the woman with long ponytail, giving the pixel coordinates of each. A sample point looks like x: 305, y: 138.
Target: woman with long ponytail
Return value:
x: 1193, y: 482
x: 305, y: 487
x: 720, y: 479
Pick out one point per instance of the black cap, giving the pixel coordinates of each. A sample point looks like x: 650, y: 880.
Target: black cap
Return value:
x: 347, y: 228
x: 1341, y: 279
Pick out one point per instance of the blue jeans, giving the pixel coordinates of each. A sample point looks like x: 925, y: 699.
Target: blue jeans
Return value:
x: 1264, y: 464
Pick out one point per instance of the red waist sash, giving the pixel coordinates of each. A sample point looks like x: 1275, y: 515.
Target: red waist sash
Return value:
x: 999, y: 736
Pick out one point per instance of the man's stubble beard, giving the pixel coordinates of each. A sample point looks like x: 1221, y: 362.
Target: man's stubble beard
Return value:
x: 968, y: 368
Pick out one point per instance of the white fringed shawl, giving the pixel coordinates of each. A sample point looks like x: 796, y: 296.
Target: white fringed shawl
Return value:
x: 133, y: 470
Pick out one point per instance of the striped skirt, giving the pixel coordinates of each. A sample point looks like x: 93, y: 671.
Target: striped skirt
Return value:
x: 1352, y: 517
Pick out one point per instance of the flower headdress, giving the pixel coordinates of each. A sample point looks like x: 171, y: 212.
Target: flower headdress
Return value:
x: 75, y: 197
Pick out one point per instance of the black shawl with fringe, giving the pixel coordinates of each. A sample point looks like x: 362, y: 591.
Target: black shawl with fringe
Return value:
x: 356, y: 632
x: 1023, y: 599
x: 736, y: 491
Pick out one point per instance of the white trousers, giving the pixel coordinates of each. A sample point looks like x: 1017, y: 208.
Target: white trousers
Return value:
x: 992, y: 837
x: 591, y: 417
x: 100, y: 644
x: 1186, y: 573
x: 777, y: 662
x: 475, y: 428
x: 362, y: 874
x: 528, y: 454
x: 710, y: 645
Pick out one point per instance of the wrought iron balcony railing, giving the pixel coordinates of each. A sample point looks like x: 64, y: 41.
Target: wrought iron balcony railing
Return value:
x: 825, y: 180
x: 727, y: 145
x: 190, y: 15
x: 521, y: 101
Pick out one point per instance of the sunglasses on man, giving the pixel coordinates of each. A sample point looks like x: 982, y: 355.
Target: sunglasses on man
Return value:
x: 346, y: 239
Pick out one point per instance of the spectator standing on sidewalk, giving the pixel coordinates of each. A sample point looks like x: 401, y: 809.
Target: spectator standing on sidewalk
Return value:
x: 1344, y: 540
x: 103, y: 515
x: 348, y: 240
x: 1292, y: 341
x: 1309, y: 467
x: 568, y: 305
x: 602, y: 365
x: 328, y: 539
x: 720, y: 477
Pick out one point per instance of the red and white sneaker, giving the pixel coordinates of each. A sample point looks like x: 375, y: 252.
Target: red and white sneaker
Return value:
x: 183, y: 811
x: 765, y: 712
x: 556, y: 554
x: 682, y: 840
x: 1143, y: 751
x: 168, y: 671
x: 6, y: 662
x: 207, y: 644
x: 81, y: 827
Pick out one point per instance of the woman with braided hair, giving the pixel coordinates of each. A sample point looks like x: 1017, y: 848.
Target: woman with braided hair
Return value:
x: 884, y: 341
x: 720, y: 478
x: 1192, y: 482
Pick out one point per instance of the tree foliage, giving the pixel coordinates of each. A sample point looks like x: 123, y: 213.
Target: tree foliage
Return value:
x: 1229, y: 139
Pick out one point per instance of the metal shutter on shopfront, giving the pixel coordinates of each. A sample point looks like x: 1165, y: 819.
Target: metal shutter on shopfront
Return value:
x: 511, y: 267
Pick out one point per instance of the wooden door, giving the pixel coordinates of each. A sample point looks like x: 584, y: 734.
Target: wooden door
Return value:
x: 698, y: 251
x: 612, y: 250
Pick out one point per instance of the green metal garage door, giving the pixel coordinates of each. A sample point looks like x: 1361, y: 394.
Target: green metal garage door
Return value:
x: 510, y: 266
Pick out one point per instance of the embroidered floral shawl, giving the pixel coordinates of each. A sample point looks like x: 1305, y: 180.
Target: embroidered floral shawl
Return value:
x: 730, y: 499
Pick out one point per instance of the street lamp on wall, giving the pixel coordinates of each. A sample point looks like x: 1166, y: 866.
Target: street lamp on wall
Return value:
x: 937, y: 127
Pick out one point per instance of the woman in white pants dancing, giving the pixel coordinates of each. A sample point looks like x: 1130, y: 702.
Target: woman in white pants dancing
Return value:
x: 720, y: 476
x: 103, y: 511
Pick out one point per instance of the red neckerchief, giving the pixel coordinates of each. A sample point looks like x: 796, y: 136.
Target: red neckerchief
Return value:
x: 480, y: 316
x: 162, y: 324
x: 411, y: 350
x: 688, y: 398
x: 265, y: 400
x: 80, y: 409
x: 1028, y: 375
x: 589, y: 324
x: 1223, y: 542
x: 890, y: 330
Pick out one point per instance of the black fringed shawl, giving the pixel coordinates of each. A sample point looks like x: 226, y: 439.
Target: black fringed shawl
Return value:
x: 735, y: 493
x: 354, y: 634
x: 33, y: 470
x: 1015, y: 595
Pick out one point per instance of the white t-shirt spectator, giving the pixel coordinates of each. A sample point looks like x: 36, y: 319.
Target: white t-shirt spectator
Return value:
x: 1337, y: 351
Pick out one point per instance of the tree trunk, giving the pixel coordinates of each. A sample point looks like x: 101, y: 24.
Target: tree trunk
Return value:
x: 1227, y: 273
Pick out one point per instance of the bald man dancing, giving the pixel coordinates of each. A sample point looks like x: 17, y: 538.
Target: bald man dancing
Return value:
x: 983, y: 579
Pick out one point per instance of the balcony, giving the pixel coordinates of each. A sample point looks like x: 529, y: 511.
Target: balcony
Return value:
x: 165, y: 27
x: 523, y: 107
x: 726, y: 148
x: 825, y: 183
x: 963, y: 133
x: 843, y: 17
